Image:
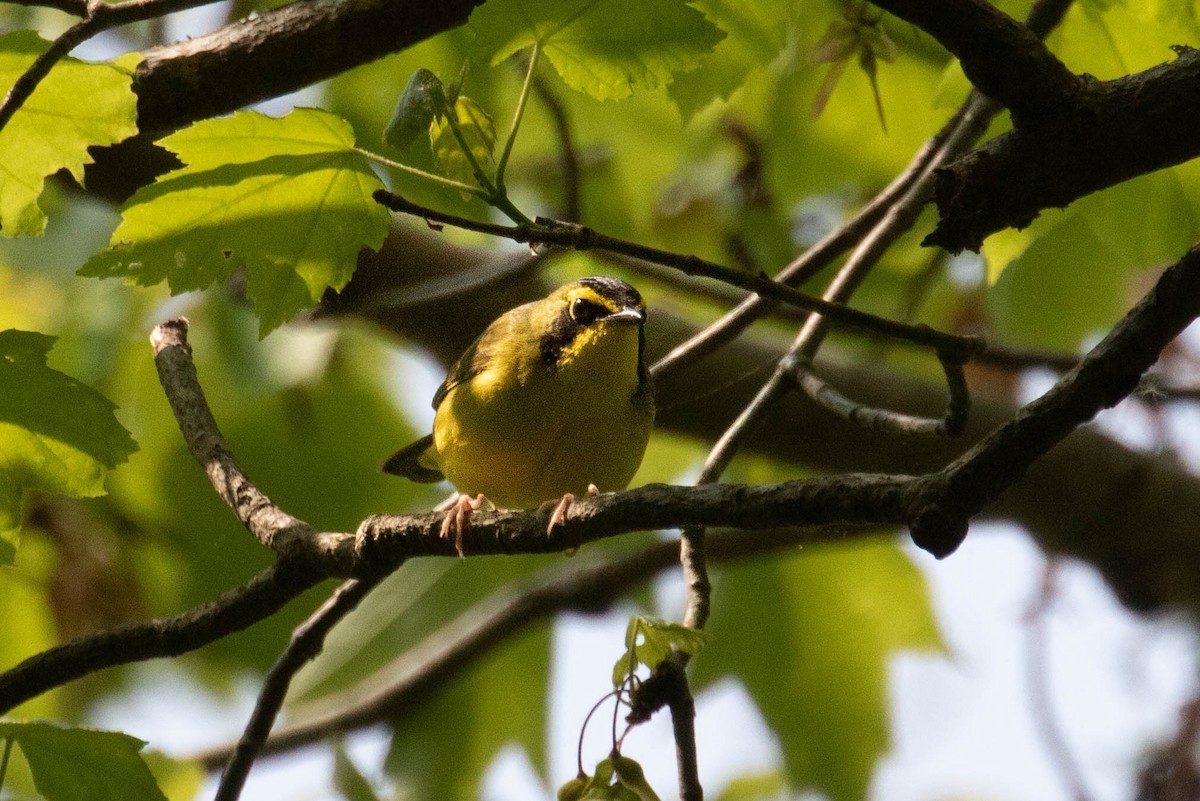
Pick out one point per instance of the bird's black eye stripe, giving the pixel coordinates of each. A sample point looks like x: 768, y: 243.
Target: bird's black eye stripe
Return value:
x: 585, y: 312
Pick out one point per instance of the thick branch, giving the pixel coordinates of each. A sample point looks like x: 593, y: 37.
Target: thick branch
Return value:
x: 1003, y: 58
x: 1107, y: 375
x: 279, y: 51
x: 1109, y: 133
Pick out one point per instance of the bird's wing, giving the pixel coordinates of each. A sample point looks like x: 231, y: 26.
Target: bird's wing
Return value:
x: 416, y: 462
x: 476, y: 358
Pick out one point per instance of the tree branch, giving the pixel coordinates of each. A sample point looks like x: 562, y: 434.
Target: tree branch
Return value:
x: 1002, y: 58
x: 279, y: 51
x: 936, y: 508
x: 588, y: 587
x: 307, y: 641
x: 1109, y: 132
x: 237, y: 609
x: 272, y: 526
x: 97, y: 18
x: 579, y: 237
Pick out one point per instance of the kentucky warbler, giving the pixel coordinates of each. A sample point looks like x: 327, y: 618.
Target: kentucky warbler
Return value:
x: 551, y: 401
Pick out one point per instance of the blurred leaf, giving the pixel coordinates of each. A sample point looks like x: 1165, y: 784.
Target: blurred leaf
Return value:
x: 73, y: 764
x: 1068, y: 275
x: 56, y: 434
x: 423, y: 100
x: 347, y: 779
x: 178, y: 779
x: 760, y: 35
x: 442, y: 745
x: 77, y: 105
x: 755, y: 787
x: 605, y: 48
x: 27, y: 618
x: 649, y: 640
x: 478, y: 132
x: 814, y: 656
x: 289, y: 199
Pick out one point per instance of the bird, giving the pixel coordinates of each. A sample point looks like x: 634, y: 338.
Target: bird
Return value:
x: 552, y: 401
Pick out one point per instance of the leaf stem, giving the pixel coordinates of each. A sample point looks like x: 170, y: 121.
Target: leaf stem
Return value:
x: 517, y: 115
x: 492, y: 192
x: 484, y: 182
x: 428, y: 176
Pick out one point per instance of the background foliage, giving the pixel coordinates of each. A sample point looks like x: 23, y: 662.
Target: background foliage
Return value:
x: 713, y: 148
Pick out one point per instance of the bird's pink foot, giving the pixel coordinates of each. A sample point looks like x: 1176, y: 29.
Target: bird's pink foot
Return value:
x: 458, y: 516
x: 559, y: 515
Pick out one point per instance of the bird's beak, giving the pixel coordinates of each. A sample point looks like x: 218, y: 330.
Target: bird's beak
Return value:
x: 628, y: 315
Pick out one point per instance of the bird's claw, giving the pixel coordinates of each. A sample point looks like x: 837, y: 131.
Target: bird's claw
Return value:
x: 559, y: 515
x: 458, y: 517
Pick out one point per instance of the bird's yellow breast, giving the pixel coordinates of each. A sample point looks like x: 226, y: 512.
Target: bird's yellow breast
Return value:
x: 523, y: 431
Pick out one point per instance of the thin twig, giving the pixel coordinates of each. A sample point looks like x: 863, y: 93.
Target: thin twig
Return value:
x: 99, y: 17
x: 579, y: 237
x: 808, y: 264
x: 949, y: 425
x: 307, y: 641
x: 683, y: 727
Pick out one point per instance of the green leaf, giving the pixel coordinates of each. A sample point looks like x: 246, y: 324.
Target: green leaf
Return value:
x: 441, y: 748
x: 56, y: 434
x: 630, y: 775
x: 606, y: 48
x: 755, y: 787
x: 477, y: 130
x: 815, y: 659
x: 348, y: 779
x: 757, y: 39
x: 70, y: 764
x: 423, y: 100
x: 649, y: 640
x: 287, y: 198
x: 77, y: 105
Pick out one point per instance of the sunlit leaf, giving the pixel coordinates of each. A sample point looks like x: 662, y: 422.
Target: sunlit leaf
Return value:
x: 74, y: 107
x: 56, y: 434
x: 70, y: 764
x: 477, y: 131
x: 287, y: 198
x: 606, y: 48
